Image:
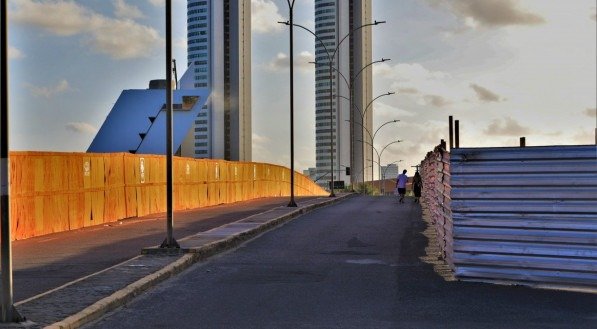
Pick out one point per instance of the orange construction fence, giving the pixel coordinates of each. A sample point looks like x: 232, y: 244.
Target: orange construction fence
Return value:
x: 52, y: 192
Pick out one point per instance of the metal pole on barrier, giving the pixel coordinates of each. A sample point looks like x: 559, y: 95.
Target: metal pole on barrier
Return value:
x: 291, y: 203
x: 451, y: 131
x: 457, y: 133
x: 169, y: 242
x: 9, y: 313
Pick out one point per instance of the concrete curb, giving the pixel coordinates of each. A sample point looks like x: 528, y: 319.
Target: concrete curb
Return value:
x: 190, y: 257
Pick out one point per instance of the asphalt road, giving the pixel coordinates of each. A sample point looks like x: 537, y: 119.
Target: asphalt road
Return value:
x: 357, y: 264
x: 46, y: 262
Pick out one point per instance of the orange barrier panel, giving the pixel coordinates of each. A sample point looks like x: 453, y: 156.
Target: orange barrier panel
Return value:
x: 55, y: 191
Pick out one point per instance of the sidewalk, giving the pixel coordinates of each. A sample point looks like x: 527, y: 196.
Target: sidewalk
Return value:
x: 88, y: 298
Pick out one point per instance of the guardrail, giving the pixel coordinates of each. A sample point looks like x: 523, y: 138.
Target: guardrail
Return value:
x: 53, y: 191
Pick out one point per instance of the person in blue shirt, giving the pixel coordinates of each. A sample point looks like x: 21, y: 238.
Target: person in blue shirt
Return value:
x: 401, y: 185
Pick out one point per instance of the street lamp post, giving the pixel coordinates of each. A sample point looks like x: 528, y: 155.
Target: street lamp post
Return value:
x: 292, y: 202
x: 9, y: 313
x: 331, y: 57
x: 362, y: 115
x: 372, y: 137
x: 169, y: 242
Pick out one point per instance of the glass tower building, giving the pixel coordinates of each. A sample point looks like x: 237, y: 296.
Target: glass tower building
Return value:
x: 335, y: 20
x: 219, y: 58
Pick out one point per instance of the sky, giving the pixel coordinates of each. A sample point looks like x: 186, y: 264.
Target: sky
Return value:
x: 504, y: 68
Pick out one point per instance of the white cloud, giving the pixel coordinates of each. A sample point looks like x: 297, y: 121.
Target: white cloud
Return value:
x: 426, y: 87
x: 81, y: 127
x: 590, y: 112
x: 157, y: 3
x: 407, y: 72
x: 117, y: 38
x: 50, y: 15
x: 436, y: 100
x: 264, y: 147
x: 265, y: 17
x: 49, y: 91
x: 408, y: 90
x: 123, y: 39
x: 124, y: 10
x: 14, y: 53
x: 485, y: 94
x: 584, y: 137
x: 181, y: 43
x: 301, y: 62
x: 490, y: 13
x: 505, y: 127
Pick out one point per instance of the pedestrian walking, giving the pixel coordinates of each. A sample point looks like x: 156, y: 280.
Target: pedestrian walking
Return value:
x: 417, y: 186
x: 401, y: 185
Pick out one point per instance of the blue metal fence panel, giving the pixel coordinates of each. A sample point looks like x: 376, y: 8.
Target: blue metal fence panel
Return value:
x: 525, y: 215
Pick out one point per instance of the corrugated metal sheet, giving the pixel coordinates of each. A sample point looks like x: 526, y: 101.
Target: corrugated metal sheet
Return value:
x: 525, y: 215
x: 435, y: 172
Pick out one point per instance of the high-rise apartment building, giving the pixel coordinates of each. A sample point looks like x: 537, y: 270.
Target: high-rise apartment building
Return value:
x: 334, y: 20
x: 219, y: 58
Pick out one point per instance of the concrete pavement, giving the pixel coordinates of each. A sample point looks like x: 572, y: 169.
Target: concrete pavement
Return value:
x: 369, y: 262
x: 79, y: 301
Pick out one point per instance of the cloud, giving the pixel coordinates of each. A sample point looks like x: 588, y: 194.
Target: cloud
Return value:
x: 181, y: 43
x: 436, y: 100
x: 301, y: 61
x: 157, y: 3
x: 14, y: 53
x: 490, y: 13
x: 590, y: 112
x: 81, y: 128
x: 124, y: 10
x: 427, y: 86
x: 48, y: 92
x: 50, y: 15
x: 123, y: 39
x: 408, y: 90
x: 584, y: 137
x: 265, y: 17
x: 407, y: 72
x: 505, y: 127
x: 385, y: 112
x: 485, y: 94
x: 117, y: 38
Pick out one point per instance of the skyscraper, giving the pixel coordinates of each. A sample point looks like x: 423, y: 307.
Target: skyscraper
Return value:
x: 334, y: 20
x: 219, y: 58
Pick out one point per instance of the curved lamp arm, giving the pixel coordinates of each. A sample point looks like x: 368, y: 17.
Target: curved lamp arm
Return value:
x: 388, y: 122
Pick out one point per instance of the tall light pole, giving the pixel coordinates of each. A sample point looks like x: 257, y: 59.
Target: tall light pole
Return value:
x: 9, y: 313
x: 292, y: 202
x: 169, y: 242
x: 331, y: 57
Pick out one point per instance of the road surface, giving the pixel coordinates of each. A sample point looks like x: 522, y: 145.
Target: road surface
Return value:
x: 357, y: 264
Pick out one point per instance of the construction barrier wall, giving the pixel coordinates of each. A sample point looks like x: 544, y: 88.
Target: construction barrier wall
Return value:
x: 526, y: 215
x: 436, y: 200
x: 517, y: 215
x: 53, y: 192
